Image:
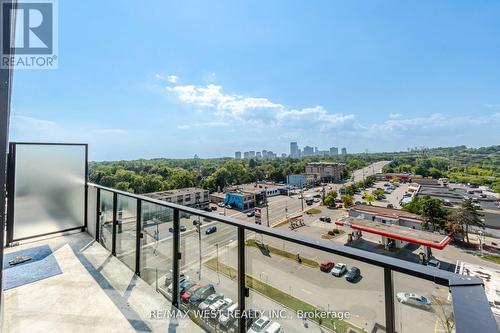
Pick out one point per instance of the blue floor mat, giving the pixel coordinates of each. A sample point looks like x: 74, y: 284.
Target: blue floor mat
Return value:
x: 42, y: 265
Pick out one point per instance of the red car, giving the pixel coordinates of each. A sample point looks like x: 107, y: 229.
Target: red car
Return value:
x: 190, y: 292
x: 326, y: 266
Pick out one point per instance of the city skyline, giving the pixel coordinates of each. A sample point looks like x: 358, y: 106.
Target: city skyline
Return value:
x: 361, y: 75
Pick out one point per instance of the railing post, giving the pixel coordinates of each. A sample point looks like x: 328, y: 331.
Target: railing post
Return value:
x: 115, y: 222
x: 242, y: 289
x: 390, y: 325
x: 138, y: 237
x: 175, y: 259
x: 97, y: 214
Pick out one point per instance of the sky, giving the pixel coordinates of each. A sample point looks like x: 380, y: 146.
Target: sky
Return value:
x: 145, y: 79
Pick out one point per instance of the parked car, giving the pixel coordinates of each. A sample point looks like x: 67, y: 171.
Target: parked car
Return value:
x: 229, y: 207
x: 357, y: 202
x: 220, y: 304
x: 211, y: 299
x: 353, y: 274
x: 190, y: 292
x: 415, y: 300
x: 339, y: 269
x: 228, y: 316
x: 326, y: 219
x: 274, y: 327
x: 213, y: 208
x: 183, y: 280
x: 220, y: 204
x: 251, y: 213
x: 326, y: 266
x: 259, y: 325
x: 390, y: 205
x: 338, y: 201
x: 202, y: 294
x: 249, y: 317
x: 169, y: 275
x: 210, y: 230
x: 434, y: 263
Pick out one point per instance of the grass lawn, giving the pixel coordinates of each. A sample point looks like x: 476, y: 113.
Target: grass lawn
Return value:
x: 289, y: 255
x: 313, y: 211
x: 288, y: 301
x: 492, y: 257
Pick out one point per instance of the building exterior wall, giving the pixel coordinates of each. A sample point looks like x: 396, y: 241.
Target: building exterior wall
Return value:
x: 378, y: 218
x: 330, y: 171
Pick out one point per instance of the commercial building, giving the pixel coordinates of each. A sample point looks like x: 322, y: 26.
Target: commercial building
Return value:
x: 246, y: 196
x: 334, y: 151
x: 190, y: 196
x: 301, y: 180
x: 344, y: 151
x: 394, y: 176
x: 452, y: 197
x: 237, y: 155
x: 326, y: 171
x: 387, y: 216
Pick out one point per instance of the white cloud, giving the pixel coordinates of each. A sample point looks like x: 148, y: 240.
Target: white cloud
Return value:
x: 492, y: 105
x: 169, y: 78
x: 395, y: 115
x: 25, y: 122
x: 172, y: 78
x: 111, y: 131
x: 207, y: 124
x: 255, y: 110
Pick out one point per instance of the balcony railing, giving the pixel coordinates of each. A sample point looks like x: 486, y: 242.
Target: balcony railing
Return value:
x: 174, y: 247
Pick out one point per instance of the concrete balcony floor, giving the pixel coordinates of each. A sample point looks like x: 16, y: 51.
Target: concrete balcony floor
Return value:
x: 95, y: 293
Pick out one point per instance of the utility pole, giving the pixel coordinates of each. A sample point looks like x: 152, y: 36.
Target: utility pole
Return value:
x: 267, y: 207
x: 198, y: 226
x: 302, y: 198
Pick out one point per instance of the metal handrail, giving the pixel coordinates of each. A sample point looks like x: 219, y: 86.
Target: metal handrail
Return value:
x: 398, y: 265
x: 468, y: 295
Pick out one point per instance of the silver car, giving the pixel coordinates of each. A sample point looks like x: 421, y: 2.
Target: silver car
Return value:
x: 415, y: 300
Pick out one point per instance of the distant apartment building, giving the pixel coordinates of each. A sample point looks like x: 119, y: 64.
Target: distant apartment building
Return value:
x: 246, y: 155
x: 190, y: 196
x: 251, y: 154
x: 264, y: 154
x: 308, y: 151
x: 283, y: 155
x: 258, y: 154
x: 237, y: 155
x: 344, y: 151
x: 294, y: 149
x: 301, y: 180
x: 334, y: 151
x: 326, y: 170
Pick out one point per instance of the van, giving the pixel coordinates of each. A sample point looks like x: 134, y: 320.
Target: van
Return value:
x: 274, y: 327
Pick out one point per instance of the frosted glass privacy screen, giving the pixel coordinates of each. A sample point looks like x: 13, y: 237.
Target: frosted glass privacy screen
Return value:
x: 49, y: 188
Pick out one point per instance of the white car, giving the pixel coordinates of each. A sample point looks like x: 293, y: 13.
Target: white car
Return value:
x: 220, y: 304
x: 415, y: 300
x: 274, y: 327
x: 339, y: 269
x: 434, y: 263
x: 228, y: 316
x: 260, y: 325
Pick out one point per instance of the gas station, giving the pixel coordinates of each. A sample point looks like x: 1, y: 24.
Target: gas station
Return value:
x: 394, y: 236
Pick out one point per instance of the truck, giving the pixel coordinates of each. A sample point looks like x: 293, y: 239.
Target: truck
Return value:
x: 309, y: 199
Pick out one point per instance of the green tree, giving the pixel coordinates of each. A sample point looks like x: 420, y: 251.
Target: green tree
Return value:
x: 433, y: 213
x: 369, y: 198
x: 329, y: 199
x: 468, y: 215
x: 347, y: 200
